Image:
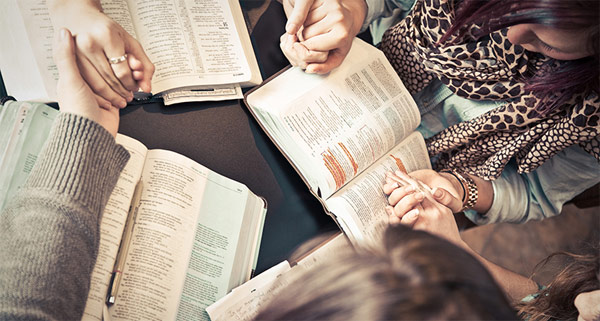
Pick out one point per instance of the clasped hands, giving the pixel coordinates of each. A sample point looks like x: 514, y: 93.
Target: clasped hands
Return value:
x: 319, y: 33
x: 422, y: 208
x: 112, y: 62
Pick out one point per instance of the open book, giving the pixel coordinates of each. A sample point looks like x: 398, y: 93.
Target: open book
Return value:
x: 342, y: 132
x: 245, y: 302
x: 194, y: 234
x: 201, y: 50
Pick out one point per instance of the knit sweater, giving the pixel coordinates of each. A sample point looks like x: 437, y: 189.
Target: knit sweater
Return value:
x: 49, y: 231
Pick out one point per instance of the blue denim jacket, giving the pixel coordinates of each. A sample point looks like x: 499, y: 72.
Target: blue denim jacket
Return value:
x: 517, y: 197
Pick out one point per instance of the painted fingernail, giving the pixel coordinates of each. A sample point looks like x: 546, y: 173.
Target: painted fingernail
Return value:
x: 437, y: 193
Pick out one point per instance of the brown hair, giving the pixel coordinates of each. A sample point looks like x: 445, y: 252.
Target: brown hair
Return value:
x: 412, y: 275
x: 581, y: 274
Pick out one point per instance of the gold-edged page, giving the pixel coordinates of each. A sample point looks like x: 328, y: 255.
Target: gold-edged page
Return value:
x: 112, y: 225
x: 360, y: 205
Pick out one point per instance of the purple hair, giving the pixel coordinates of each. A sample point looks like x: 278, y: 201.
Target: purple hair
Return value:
x: 573, y: 77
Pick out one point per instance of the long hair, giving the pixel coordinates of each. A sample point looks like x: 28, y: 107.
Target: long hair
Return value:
x: 413, y: 275
x: 581, y: 274
x: 573, y: 77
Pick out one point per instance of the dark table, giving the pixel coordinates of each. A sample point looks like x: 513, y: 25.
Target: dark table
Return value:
x: 224, y: 137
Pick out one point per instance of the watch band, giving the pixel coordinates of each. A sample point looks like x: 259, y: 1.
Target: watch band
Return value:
x: 470, y: 192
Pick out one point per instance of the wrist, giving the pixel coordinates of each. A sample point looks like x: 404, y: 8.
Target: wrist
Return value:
x: 458, y: 187
x: 468, y: 187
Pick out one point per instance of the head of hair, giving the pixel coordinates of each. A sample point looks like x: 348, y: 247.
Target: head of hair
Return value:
x: 556, y: 302
x: 573, y: 77
x: 413, y: 275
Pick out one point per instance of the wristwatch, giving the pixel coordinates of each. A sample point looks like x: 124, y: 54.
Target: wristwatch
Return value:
x: 469, y: 188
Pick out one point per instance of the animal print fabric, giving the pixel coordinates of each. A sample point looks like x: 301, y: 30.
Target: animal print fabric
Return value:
x: 487, y: 68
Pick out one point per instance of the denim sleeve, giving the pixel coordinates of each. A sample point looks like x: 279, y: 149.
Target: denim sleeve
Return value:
x: 540, y: 194
x: 379, y: 9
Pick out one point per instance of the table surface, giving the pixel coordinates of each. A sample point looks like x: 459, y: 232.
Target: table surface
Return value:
x: 224, y: 137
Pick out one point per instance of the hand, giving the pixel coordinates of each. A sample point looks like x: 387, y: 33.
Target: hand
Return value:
x: 587, y: 306
x: 417, y: 208
x: 325, y: 26
x: 446, y: 188
x: 98, y: 38
x: 74, y: 95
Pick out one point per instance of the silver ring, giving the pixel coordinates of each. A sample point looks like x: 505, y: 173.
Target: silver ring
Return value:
x: 117, y: 60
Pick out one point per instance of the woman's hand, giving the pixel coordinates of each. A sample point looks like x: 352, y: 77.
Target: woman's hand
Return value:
x: 415, y: 206
x: 97, y: 39
x: 74, y: 95
x: 325, y: 30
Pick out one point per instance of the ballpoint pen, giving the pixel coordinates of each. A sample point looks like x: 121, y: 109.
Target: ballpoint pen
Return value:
x: 117, y: 273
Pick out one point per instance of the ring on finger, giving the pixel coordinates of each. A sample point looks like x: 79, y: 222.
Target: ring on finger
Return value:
x: 117, y: 60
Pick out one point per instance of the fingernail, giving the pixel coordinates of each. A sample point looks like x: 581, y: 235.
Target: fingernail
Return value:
x: 123, y: 103
x: 290, y: 26
x: 389, y: 210
x: 419, y: 196
x: 62, y: 33
x: 437, y: 193
x: 413, y: 213
x: 409, y: 188
x: 395, y: 185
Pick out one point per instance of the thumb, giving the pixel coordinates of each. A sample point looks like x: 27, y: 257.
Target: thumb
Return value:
x: 298, y: 15
x: 445, y: 198
x: 64, y: 58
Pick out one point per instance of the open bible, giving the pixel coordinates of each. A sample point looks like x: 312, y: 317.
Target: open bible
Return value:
x: 201, y: 49
x: 184, y: 234
x: 342, y: 132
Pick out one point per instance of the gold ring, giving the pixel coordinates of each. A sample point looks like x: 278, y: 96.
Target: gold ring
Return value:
x: 117, y: 60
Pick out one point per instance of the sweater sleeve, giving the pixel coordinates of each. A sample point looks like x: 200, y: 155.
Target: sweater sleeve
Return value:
x: 49, y: 231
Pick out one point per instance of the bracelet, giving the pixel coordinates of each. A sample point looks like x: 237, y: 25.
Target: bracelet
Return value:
x: 470, y: 192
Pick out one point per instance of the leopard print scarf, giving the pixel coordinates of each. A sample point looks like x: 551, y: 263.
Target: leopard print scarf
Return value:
x: 487, y: 69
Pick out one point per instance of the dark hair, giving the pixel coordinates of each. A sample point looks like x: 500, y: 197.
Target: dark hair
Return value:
x: 557, y: 301
x: 412, y: 275
x: 573, y: 77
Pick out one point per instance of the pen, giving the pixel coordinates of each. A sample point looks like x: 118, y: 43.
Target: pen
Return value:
x: 117, y: 273
x: 405, y: 179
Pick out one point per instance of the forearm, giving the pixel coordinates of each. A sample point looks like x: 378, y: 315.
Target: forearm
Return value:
x: 515, y: 286
x: 50, y: 229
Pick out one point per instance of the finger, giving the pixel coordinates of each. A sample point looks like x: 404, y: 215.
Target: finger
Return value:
x: 334, y: 39
x: 88, y: 48
x: 121, y: 70
x: 136, y: 67
x: 410, y: 218
x: 133, y: 47
x: 335, y: 59
x: 389, y: 187
x: 97, y: 83
x: 308, y: 56
x: 298, y: 15
x: 65, y: 60
x: 103, y: 103
x: 445, y: 198
x: 400, y: 193
x: 407, y: 203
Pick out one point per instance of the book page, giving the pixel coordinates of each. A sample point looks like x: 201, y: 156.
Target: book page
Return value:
x: 360, y: 205
x: 28, y: 70
x: 111, y: 227
x: 190, y: 42
x: 162, y: 237
x: 218, y: 260
x: 244, y: 302
x: 24, y: 140
x: 335, y: 126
